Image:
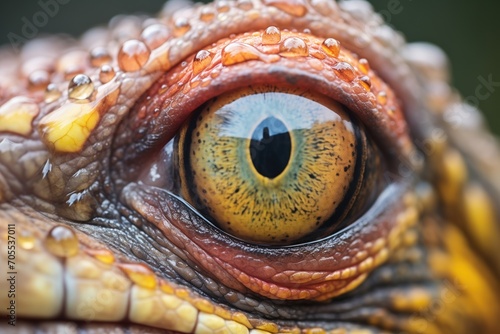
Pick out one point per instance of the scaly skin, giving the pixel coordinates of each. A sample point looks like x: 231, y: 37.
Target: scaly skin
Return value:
x: 95, y: 249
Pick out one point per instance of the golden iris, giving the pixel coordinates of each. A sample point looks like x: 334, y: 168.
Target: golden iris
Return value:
x: 267, y: 165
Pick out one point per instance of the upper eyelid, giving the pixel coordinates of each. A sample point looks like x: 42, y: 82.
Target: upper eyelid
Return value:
x: 182, y: 89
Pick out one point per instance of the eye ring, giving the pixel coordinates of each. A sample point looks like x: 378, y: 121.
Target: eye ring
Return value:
x: 327, y: 159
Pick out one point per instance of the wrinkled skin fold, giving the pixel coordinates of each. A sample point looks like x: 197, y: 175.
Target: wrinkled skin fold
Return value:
x: 90, y: 245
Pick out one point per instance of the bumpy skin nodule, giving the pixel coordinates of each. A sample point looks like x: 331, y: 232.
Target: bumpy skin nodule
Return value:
x: 97, y: 249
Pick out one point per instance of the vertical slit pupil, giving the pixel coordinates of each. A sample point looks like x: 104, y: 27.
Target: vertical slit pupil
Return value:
x: 266, y: 133
x: 270, y: 147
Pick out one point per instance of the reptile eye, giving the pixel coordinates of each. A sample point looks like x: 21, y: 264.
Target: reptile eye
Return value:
x: 275, y: 166
x: 261, y: 164
x: 268, y: 148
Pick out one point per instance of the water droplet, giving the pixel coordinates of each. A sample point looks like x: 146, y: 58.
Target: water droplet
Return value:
x: 364, y: 66
x: 344, y: 71
x: 181, y: 26
x: 202, y: 59
x: 26, y: 240
x: 331, y: 47
x: 272, y: 35
x: 38, y: 80
x: 155, y: 35
x: 317, y: 54
x: 222, y: 6
x: 214, y: 74
x: 52, y: 93
x: 36, y: 64
x: 62, y: 241
x: 103, y: 255
x: 245, y: 4
x: 139, y: 274
x: 382, y: 97
x: 99, y: 56
x: 72, y: 63
x: 391, y: 111
x: 235, y: 53
x: 293, y: 47
x: 106, y: 74
x: 292, y: 7
x: 207, y: 14
x: 80, y: 87
x: 163, y: 89
x: 365, y: 82
x: 133, y: 55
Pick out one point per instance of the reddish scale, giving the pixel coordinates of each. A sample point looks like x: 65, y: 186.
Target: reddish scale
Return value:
x: 271, y: 36
x: 106, y: 73
x: 155, y: 35
x: 73, y: 63
x: 181, y: 26
x: 38, y: 80
x: 99, y: 56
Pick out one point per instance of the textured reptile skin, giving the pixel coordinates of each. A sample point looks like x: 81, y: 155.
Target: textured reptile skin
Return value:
x: 99, y: 249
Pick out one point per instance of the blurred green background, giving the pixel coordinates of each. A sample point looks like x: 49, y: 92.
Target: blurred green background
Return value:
x: 468, y: 31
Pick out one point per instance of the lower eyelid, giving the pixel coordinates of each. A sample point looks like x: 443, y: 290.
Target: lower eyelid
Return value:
x: 377, y: 232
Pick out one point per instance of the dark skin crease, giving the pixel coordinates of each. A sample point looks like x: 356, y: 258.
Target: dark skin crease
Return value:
x: 427, y: 239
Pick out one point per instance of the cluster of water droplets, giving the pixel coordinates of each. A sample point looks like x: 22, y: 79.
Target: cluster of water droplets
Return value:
x: 132, y: 50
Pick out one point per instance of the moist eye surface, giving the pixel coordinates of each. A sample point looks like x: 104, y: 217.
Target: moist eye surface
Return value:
x: 272, y: 166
